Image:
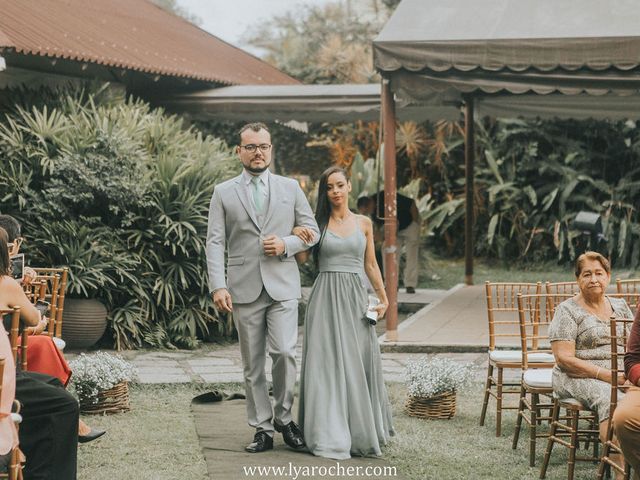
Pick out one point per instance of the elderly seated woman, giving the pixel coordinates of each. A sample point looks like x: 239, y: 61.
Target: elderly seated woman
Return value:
x: 626, y: 419
x: 580, y: 338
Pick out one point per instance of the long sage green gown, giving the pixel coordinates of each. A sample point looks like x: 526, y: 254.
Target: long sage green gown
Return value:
x: 344, y: 407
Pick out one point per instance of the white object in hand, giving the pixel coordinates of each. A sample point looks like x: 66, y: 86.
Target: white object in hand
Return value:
x: 372, y: 314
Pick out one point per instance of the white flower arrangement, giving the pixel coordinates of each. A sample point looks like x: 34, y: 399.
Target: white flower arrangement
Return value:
x: 428, y: 377
x: 97, y: 372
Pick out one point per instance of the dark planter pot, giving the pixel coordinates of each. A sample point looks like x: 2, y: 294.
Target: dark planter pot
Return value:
x: 83, y: 322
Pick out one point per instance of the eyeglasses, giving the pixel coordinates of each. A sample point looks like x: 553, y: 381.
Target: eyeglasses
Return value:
x: 16, y: 243
x: 252, y: 147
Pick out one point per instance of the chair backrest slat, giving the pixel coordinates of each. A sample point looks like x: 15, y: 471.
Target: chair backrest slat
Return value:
x: 619, y: 335
x: 502, y: 309
x: 57, y: 291
x: 14, y: 333
x: 631, y: 296
x: 562, y: 287
x: 535, y: 313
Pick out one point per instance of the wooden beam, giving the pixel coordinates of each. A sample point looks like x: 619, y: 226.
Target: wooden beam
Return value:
x: 390, y: 210
x: 469, y: 162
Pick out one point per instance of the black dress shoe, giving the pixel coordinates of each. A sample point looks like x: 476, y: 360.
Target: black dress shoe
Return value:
x: 261, y: 442
x: 92, y: 435
x: 291, y: 434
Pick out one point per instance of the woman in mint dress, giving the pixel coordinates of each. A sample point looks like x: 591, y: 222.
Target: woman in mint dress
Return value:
x: 344, y: 407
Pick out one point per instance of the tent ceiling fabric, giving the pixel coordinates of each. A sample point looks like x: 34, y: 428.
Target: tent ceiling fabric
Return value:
x: 498, y: 50
x: 302, y: 103
x: 517, y: 35
x: 425, y: 86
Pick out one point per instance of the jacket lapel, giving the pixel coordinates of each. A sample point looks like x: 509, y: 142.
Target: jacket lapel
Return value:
x: 243, y: 195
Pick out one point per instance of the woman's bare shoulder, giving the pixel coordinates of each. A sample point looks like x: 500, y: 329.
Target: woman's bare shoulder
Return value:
x: 364, y: 220
x: 9, y: 288
x: 9, y: 282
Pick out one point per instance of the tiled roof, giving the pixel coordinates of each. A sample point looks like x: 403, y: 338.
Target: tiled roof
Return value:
x: 128, y: 34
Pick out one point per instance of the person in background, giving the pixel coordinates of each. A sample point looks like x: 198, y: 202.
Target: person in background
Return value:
x: 408, y: 232
x: 49, y: 429
x: 8, y: 432
x: 580, y: 338
x: 626, y: 418
x: 42, y: 355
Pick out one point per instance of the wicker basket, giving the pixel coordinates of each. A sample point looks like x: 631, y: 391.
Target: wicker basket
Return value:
x: 113, y: 400
x: 442, y: 405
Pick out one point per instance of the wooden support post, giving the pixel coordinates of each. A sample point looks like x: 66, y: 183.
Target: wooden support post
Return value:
x: 469, y: 161
x: 390, y: 210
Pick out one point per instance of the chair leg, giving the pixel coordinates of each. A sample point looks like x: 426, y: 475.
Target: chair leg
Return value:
x: 14, y: 465
x: 554, y: 422
x: 516, y: 433
x: 535, y: 401
x: 572, y: 446
x: 499, y: 403
x: 487, y: 389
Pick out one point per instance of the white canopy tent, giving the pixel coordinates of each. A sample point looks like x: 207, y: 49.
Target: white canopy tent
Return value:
x: 545, y: 58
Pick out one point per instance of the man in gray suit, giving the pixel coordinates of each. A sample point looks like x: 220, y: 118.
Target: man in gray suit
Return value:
x: 253, y: 215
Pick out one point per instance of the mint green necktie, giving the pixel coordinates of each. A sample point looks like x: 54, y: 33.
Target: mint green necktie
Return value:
x: 258, y: 197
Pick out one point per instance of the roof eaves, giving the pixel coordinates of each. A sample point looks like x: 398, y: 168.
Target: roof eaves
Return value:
x: 77, y: 57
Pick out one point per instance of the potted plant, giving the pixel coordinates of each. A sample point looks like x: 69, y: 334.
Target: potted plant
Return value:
x: 98, y: 267
x: 432, y: 384
x: 101, y: 381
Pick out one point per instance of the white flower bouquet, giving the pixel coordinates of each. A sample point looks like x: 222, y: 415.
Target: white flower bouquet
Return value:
x: 99, y: 372
x: 427, y: 377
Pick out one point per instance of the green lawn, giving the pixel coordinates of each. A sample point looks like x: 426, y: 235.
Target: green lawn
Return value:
x: 460, y: 449
x: 157, y: 440
x: 451, y: 272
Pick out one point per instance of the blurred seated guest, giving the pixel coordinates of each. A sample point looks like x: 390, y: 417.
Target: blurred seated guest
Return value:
x: 580, y: 338
x: 42, y: 355
x: 50, y: 414
x: 8, y: 432
x: 626, y: 418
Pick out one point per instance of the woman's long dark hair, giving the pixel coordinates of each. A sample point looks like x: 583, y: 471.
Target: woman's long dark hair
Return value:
x: 5, y: 263
x: 323, y: 208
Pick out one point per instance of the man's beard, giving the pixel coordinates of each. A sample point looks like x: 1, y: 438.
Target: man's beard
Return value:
x: 256, y: 169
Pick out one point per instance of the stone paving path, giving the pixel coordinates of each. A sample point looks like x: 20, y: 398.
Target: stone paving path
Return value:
x: 223, y: 364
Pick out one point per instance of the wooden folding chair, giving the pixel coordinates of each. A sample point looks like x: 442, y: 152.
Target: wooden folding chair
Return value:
x: 535, y: 313
x: 630, y: 291
x: 568, y: 427
x: 38, y: 290
x: 55, y: 294
x: 620, y: 329
x: 502, y: 314
x: 18, y: 342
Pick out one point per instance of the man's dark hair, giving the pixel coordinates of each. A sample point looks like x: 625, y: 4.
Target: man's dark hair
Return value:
x: 11, y: 226
x: 363, y: 202
x: 5, y: 263
x: 256, y: 127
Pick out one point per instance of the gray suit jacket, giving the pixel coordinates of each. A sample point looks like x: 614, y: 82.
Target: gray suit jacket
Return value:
x: 232, y: 224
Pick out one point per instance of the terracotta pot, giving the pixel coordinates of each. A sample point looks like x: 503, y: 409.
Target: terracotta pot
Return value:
x: 84, y: 321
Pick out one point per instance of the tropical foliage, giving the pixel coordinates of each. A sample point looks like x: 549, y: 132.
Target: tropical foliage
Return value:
x: 120, y: 193
x: 324, y: 44
x: 532, y: 178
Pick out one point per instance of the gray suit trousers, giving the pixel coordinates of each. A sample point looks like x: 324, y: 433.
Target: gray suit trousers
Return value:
x: 261, y: 323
